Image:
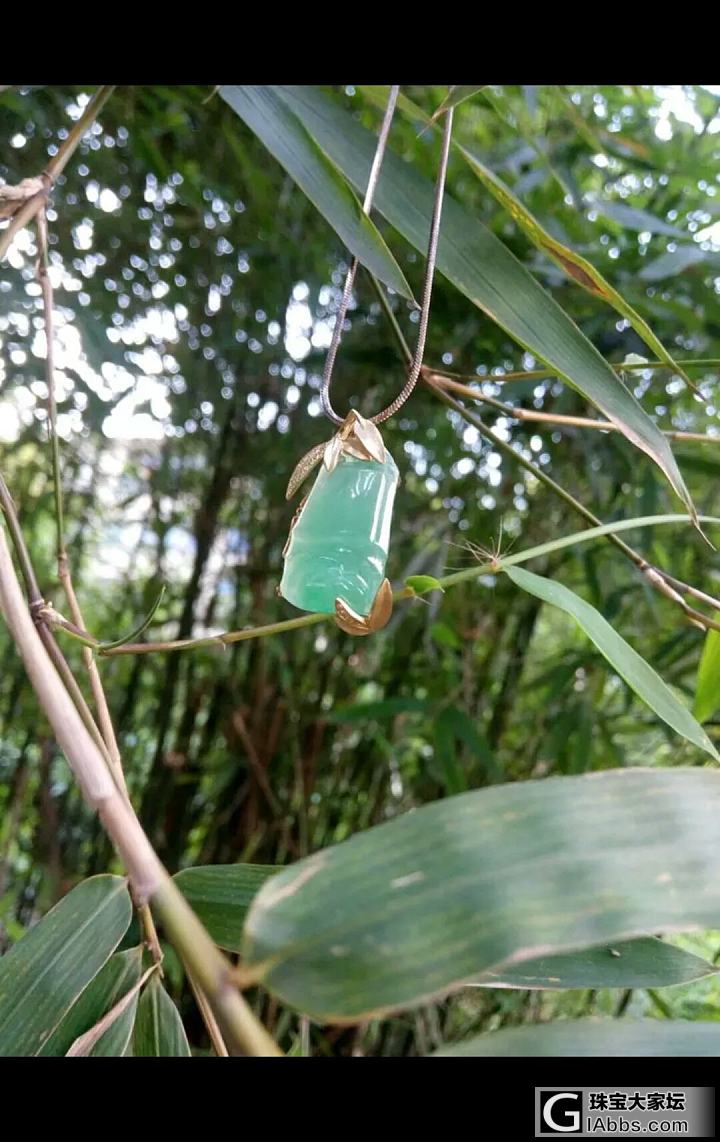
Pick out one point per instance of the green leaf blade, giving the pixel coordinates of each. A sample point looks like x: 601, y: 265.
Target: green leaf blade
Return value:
x: 638, y: 674
x: 707, y: 696
x: 455, y: 96
x: 595, y: 1037
x: 631, y: 963
x: 290, y: 143
x: 158, y: 1032
x: 44, y: 973
x: 113, y: 981
x: 486, y: 881
x: 220, y: 896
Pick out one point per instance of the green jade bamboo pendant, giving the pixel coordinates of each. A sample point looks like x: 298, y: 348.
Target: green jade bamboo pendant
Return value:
x: 337, y: 549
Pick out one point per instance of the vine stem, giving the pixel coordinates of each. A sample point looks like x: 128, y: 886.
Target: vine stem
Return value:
x: 211, y: 970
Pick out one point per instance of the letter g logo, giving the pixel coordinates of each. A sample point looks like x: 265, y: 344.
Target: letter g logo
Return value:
x: 557, y: 1117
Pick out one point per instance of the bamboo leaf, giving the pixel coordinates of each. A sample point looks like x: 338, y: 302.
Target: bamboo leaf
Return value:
x: 158, y: 1032
x: 220, y: 895
x: 638, y: 674
x: 606, y: 1038
x: 384, y: 708
x: 116, y: 1025
x: 671, y: 263
x: 452, y: 773
x: 574, y: 265
x: 453, y: 725
x: 114, y: 981
x: 630, y: 963
x: 483, y: 269
x: 455, y: 96
x: 707, y: 695
x: 632, y: 218
x: 45, y: 972
x: 294, y: 148
x: 487, y: 881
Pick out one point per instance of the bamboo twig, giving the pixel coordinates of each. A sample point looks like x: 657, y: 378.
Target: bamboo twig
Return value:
x: 527, y: 414
x: 106, y: 728
x: 653, y: 575
x: 493, y: 566
x: 616, y: 366
x: 38, y: 609
x: 56, y: 166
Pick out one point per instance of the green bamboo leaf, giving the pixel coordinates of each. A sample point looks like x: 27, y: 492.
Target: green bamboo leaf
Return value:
x: 294, y: 148
x: 603, y: 1037
x: 628, y: 963
x: 451, y: 773
x: 574, y: 265
x: 453, y: 725
x: 632, y: 218
x: 671, y: 263
x: 638, y: 674
x: 486, y: 881
x: 118, y: 976
x: 483, y: 269
x: 110, y: 1036
x: 455, y: 96
x: 220, y: 895
x: 444, y: 635
x: 707, y: 694
x: 384, y: 708
x: 158, y: 1031
x: 44, y: 973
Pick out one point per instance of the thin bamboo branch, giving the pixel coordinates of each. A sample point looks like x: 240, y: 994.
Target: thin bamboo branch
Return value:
x: 653, y: 575
x: 493, y: 566
x: 104, y: 720
x: 211, y: 1024
x: 617, y: 366
x: 528, y: 414
x: 38, y: 609
x: 67, y: 149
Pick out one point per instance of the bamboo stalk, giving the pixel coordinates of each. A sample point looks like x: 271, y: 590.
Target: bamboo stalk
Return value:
x: 152, y: 883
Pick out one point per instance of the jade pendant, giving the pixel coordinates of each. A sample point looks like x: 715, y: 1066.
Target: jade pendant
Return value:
x: 339, y: 545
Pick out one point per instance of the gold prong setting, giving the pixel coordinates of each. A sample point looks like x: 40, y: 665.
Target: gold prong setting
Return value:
x: 352, y: 623
x: 357, y: 437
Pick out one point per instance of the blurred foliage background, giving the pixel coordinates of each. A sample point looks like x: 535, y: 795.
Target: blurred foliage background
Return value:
x: 195, y: 287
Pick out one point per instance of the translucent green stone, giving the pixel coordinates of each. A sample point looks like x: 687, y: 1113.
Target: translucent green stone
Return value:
x: 339, y: 545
